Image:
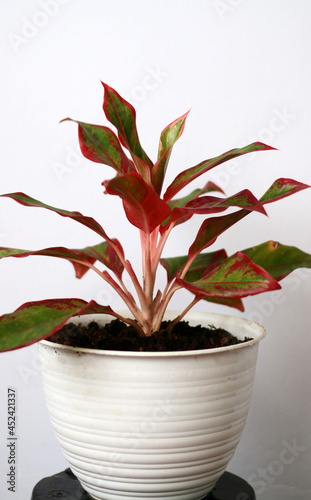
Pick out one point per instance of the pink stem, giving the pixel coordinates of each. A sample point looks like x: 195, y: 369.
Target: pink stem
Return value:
x: 130, y: 304
x: 161, y: 245
x: 183, y: 313
x: 164, y: 303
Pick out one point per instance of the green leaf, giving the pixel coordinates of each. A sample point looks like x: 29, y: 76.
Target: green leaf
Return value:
x: 35, y: 321
x: 167, y: 140
x: 237, y: 277
x: 102, y: 252
x: 123, y: 116
x: 192, y: 173
x: 279, y: 260
x: 282, y: 188
x: 101, y: 145
x: 143, y: 206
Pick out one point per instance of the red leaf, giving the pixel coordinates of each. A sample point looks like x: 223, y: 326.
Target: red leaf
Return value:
x: 143, y: 206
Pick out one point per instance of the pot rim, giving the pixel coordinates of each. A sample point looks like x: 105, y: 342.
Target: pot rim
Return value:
x: 249, y: 325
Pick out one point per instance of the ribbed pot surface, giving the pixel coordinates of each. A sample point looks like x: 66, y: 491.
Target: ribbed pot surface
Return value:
x: 151, y: 425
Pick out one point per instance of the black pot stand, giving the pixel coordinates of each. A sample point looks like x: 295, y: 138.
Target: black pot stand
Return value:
x: 66, y: 485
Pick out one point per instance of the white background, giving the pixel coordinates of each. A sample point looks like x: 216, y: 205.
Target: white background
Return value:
x: 243, y: 67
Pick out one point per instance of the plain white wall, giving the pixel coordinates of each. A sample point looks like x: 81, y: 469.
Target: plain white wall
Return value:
x: 244, y: 69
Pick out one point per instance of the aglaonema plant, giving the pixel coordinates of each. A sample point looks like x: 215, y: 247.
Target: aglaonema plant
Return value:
x: 210, y: 276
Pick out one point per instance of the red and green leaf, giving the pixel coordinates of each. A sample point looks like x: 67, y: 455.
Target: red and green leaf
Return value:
x: 202, y: 264
x: 279, y: 260
x: 80, y: 258
x: 237, y: 277
x: 187, y: 176
x: 143, y: 206
x: 182, y: 202
x: 281, y: 188
x: 89, y: 222
x: 243, y: 199
x: 212, y: 204
x: 167, y: 140
x: 101, y: 145
x: 211, y: 228
x: 123, y: 116
x: 35, y: 321
x: 236, y: 303
x: 210, y: 187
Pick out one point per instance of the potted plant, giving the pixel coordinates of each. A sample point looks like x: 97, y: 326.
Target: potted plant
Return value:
x: 156, y: 418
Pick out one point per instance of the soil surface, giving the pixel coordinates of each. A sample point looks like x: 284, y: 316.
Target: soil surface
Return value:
x: 121, y: 337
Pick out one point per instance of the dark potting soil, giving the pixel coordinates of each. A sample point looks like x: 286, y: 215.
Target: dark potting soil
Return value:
x: 121, y: 337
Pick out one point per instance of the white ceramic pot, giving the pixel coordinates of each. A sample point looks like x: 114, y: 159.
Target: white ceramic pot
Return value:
x: 151, y: 425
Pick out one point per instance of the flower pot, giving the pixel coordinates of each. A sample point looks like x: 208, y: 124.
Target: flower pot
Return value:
x: 151, y: 425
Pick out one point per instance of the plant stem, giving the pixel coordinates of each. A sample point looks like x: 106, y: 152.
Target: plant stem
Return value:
x: 164, y: 303
x: 124, y: 296
x: 148, y: 271
x: 161, y: 245
x: 127, y: 266
x: 186, y: 268
x: 138, y: 288
x: 183, y: 313
x: 133, y: 323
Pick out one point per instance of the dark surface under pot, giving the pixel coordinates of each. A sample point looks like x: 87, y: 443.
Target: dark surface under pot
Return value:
x: 66, y: 485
